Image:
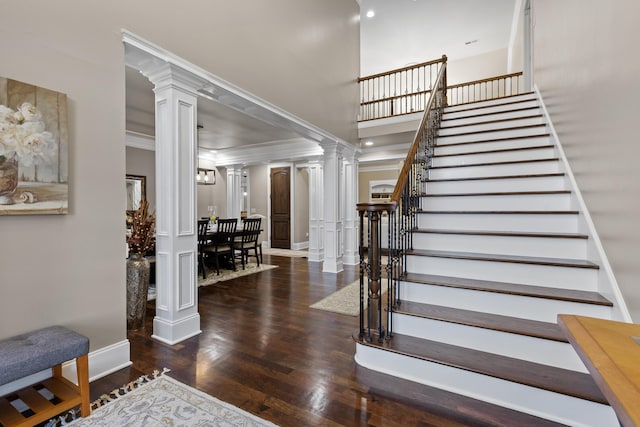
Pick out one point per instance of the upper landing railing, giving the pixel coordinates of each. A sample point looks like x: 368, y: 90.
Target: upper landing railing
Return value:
x: 407, y: 90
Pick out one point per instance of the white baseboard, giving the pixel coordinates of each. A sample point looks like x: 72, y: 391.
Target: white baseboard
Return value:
x: 102, y: 362
x: 300, y: 246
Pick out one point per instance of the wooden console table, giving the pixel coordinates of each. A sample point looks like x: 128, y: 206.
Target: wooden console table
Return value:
x: 611, y: 352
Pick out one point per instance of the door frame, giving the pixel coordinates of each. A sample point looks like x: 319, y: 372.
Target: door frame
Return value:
x: 292, y: 201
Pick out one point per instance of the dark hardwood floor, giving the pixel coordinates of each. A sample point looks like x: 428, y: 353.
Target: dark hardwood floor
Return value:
x: 264, y: 350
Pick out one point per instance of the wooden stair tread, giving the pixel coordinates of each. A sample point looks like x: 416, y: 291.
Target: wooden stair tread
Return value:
x: 508, y: 138
x: 492, y: 130
x: 435, y: 400
x: 518, y: 259
x: 571, y: 383
x: 585, y: 297
x: 490, y: 122
x: 502, y: 233
x: 498, y: 193
x: 513, y: 110
x: 510, y: 162
x: 497, y: 150
x: 496, y: 322
x: 479, y: 178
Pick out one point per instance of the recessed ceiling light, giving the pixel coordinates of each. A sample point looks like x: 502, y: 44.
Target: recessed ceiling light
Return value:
x: 371, y: 14
x: 368, y: 143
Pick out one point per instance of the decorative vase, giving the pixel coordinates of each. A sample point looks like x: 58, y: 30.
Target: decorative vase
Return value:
x: 137, y: 288
x: 8, y: 178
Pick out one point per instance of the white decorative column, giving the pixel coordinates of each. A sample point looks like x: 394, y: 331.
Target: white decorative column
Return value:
x: 234, y: 191
x: 350, y: 174
x: 177, y: 315
x: 316, y: 212
x: 332, y: 207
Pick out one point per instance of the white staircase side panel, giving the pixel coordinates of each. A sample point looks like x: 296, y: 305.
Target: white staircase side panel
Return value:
x: 504, y: 103
x: 551, y: 165
x: 521, y: 306
x: 533, y: 183
x: 584, y: 279
x: 549, y: 405
x: 455, y: 112
x: 482, y: 126
x: 569, y: 248
x: 494, y: 156
x: 457, y: 119
x: 534, y: 222
x: 488, y: 136
x: 537, y: 350
x: 482, y: 202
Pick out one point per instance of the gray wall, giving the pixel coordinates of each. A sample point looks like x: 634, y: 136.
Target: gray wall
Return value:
x: 70, y: 269
x: 301, y: 209
x: 586, y: 67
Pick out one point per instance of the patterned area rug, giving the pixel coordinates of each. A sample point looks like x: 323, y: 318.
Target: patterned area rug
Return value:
x: 344, y: 301
x: 212, y: 277
x: 285, y: 252
x: 164, y: 401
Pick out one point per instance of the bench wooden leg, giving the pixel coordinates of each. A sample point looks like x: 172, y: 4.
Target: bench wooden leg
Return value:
x: 82, y: 366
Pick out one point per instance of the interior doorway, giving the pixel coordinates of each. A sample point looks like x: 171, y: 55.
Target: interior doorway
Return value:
x: 281, y: 207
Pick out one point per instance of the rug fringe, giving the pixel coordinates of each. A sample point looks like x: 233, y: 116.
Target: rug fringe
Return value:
x: 73, y: 414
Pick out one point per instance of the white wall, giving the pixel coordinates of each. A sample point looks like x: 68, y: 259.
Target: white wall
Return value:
x: 587, y: 69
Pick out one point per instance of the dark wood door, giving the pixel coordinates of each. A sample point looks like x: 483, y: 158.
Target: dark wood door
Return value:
x: 280, y: 208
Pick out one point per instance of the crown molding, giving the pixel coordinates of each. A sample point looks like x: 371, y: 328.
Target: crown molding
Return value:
x: 140, y: 140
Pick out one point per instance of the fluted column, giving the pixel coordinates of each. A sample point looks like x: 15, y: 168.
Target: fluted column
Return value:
x: 316, y: 212
x: 351, y: 223
x: 234, y: 191
x: 177, y: 315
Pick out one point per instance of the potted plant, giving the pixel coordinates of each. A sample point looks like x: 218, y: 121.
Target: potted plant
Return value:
x: 140, y: 241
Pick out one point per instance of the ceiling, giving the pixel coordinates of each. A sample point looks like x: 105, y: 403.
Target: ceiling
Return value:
x: 451, y: 22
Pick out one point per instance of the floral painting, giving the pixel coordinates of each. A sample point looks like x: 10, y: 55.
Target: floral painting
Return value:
x: 33, y: 150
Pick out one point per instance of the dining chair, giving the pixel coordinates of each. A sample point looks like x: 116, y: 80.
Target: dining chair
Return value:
x: 260, y: 236
x: 248, y: 240
x: 221, y: 242
x: 203, y: 240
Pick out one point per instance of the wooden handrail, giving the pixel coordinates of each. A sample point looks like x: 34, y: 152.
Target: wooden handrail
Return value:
x: 489, y: 79
x: 407, y: 68
x: 406, y: 167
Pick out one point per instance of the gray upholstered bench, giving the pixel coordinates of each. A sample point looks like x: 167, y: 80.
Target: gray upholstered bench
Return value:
x: 35, y: 351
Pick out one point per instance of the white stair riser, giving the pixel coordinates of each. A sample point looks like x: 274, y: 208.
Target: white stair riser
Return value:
x: 563, y: 409
x: 524, y: 307
x: 529, y: 274
x: 451, y: 113
x: 501, y: 156
x: 453, y: 148
x: 530, y: 202
x: 525, y: 168
x: 546, y: 352
x: 501, y: 222
x: 481, y: 127
x: 501, y: 103
x: 545, y: 183
x: 451, y: 120
x: 488, y: 136
x: 571, y: 248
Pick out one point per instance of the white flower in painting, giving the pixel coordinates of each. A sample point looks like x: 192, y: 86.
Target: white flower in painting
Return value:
x: 28, y: 113
x: 23, y: 132
x: 35, y: 148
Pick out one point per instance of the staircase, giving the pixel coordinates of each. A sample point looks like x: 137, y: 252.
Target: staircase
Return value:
x: 498, y: 253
